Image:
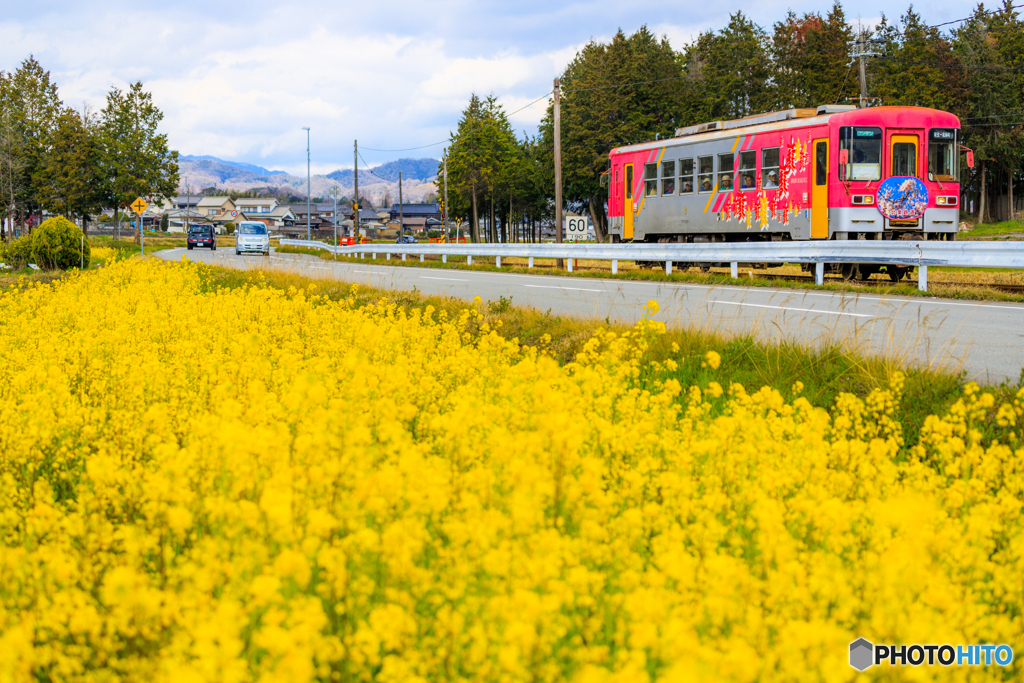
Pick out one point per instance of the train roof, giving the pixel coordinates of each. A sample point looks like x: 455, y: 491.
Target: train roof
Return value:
x: 799, y: 118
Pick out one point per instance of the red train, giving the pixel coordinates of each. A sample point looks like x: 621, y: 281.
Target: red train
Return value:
x: 837, y: 172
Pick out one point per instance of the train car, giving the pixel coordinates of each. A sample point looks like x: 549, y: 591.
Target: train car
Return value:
x: 835, y: 172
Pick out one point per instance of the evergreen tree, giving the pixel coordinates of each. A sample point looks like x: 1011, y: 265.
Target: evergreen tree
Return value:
x: 626, y: 91
x: 66, y: 181
x: 810, y: 60
x: 134, y: 158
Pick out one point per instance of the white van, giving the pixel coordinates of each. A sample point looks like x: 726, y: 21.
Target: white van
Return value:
x: 252, y: 236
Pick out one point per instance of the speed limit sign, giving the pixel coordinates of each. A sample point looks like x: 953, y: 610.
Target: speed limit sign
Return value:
x: 575, y: 228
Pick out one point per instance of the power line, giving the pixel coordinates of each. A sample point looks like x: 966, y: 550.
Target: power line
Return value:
x: 983, y: 14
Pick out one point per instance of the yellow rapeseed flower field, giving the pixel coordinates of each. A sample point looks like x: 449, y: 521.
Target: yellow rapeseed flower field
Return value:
x: 257, y: 485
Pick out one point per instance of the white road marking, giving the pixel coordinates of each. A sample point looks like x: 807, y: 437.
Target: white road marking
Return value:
x: 578, y: 289
x: 792, y: 308
x: 451, y: 279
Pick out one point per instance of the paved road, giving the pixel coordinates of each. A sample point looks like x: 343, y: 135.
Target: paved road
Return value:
x: 984, y: 338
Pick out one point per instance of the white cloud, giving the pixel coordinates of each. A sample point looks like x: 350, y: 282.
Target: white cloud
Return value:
x: 241, y: 83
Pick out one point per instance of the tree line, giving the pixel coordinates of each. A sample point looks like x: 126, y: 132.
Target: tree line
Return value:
x: 637, y: 88
x: 75, y: 163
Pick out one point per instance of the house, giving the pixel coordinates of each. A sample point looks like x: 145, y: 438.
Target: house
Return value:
x: 251, y: 206
x: 179, y: 219
x: 215, y: 208
x: 427, y: 210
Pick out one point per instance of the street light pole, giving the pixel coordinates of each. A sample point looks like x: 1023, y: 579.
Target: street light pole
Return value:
x: 308, y: 184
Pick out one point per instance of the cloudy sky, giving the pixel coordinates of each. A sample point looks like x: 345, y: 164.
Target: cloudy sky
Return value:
x: 239, y: 80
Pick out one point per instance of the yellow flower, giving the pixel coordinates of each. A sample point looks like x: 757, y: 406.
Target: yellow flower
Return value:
x: 713, y: 359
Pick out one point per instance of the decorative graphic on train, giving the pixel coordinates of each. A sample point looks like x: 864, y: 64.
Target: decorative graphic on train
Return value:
x: 902, y: 198
x: 746, y: 206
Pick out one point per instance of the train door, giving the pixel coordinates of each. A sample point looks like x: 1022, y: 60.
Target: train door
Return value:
x: 903, y: 154
x: 819, y: 191
x: 627, y: 203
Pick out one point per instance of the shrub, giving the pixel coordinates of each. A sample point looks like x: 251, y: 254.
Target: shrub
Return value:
x: 165, y: 222
x: 229, y: 227
x: 18, y: 253
x: 58, y: 243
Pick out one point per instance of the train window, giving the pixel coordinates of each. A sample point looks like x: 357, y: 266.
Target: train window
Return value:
x: 943, y: 157
x: 629, y: 181
x: 865, y: 145
x: 650, y: 180
x: 668, y: 177
x: 821, y: 163
x: 748, y: 167
x: 904, y: 159
x: 686, y: 176
x: 706, y: 173
x: 770, y: 168
x: 725, y: 169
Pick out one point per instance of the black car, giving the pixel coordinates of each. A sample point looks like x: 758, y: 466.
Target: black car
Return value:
x: 202, y: 236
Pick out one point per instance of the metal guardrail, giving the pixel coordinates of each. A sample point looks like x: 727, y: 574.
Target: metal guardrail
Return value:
x: 897, y: 253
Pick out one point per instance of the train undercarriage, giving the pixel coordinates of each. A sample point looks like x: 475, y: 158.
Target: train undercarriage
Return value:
x: 848, y: 271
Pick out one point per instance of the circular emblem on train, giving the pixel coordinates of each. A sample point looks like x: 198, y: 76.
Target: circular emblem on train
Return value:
x: 902, y: 197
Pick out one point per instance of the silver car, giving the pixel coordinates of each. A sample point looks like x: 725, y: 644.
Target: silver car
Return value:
x: 252, y: 236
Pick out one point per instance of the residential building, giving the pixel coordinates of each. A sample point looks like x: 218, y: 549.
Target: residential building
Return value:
x: 427, y: 210
x: 213, y: 208
x: 255, y: 205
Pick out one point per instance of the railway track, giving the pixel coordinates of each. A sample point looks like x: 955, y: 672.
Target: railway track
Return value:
x: 832, y: 277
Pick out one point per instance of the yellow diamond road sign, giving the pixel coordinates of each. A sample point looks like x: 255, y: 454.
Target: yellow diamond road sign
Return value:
x: 139, y: 205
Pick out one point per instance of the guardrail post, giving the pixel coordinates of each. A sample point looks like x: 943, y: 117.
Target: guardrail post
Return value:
x: 819, y: 273
x: 387, y: 256
x: 444, y: 258
x: 568, y: 264
x: 531, y: 263
x: 375, y: 256
x: 403, y: 257
x: 615, y: 266
x: 469, y: 260
x: 922, y: 278
x: 668, y: 267
x: 497, y: 261
x: 734, y: 268
x: 421, y: 258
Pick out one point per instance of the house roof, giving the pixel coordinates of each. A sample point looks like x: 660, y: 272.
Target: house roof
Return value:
x: 242, y: 202
x: 281, y: 211
x: 186, y: 199
x: 213, y: 202
x: 427, y: 209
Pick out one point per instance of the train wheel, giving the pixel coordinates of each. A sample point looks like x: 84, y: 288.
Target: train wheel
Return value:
x: 896, y: 273
x: 705, y: 268
x: 849, y: 271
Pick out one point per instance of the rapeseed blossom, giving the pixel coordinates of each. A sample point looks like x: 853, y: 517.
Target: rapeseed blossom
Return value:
x: 256, y: 485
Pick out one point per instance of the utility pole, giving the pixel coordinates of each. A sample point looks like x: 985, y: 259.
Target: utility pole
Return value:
x: 308, y: 184
x: 336, y: 245
x: 401, y: 211
x: 355, y: 202
x: 188, y: 202
x: 862, y: 49
x: 558, y: 167
x: 446, y: 196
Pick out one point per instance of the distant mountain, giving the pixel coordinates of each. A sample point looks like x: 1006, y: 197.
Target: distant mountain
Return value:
x: 411, y: 169
x: 418, y: 176
x: 236, y: 164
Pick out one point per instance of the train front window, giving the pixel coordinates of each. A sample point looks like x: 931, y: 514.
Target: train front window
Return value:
x: 668, y: 177
x: 706, y: 173
x: 725, y: 168
x: 650, y: 180
x: 686, y: 176
x: 904, y: 159
x: 864, y: 155
x: 943, y: 155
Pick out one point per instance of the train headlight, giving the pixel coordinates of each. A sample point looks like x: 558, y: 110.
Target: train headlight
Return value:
x: 945, y: 201
x: 863, y: 199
